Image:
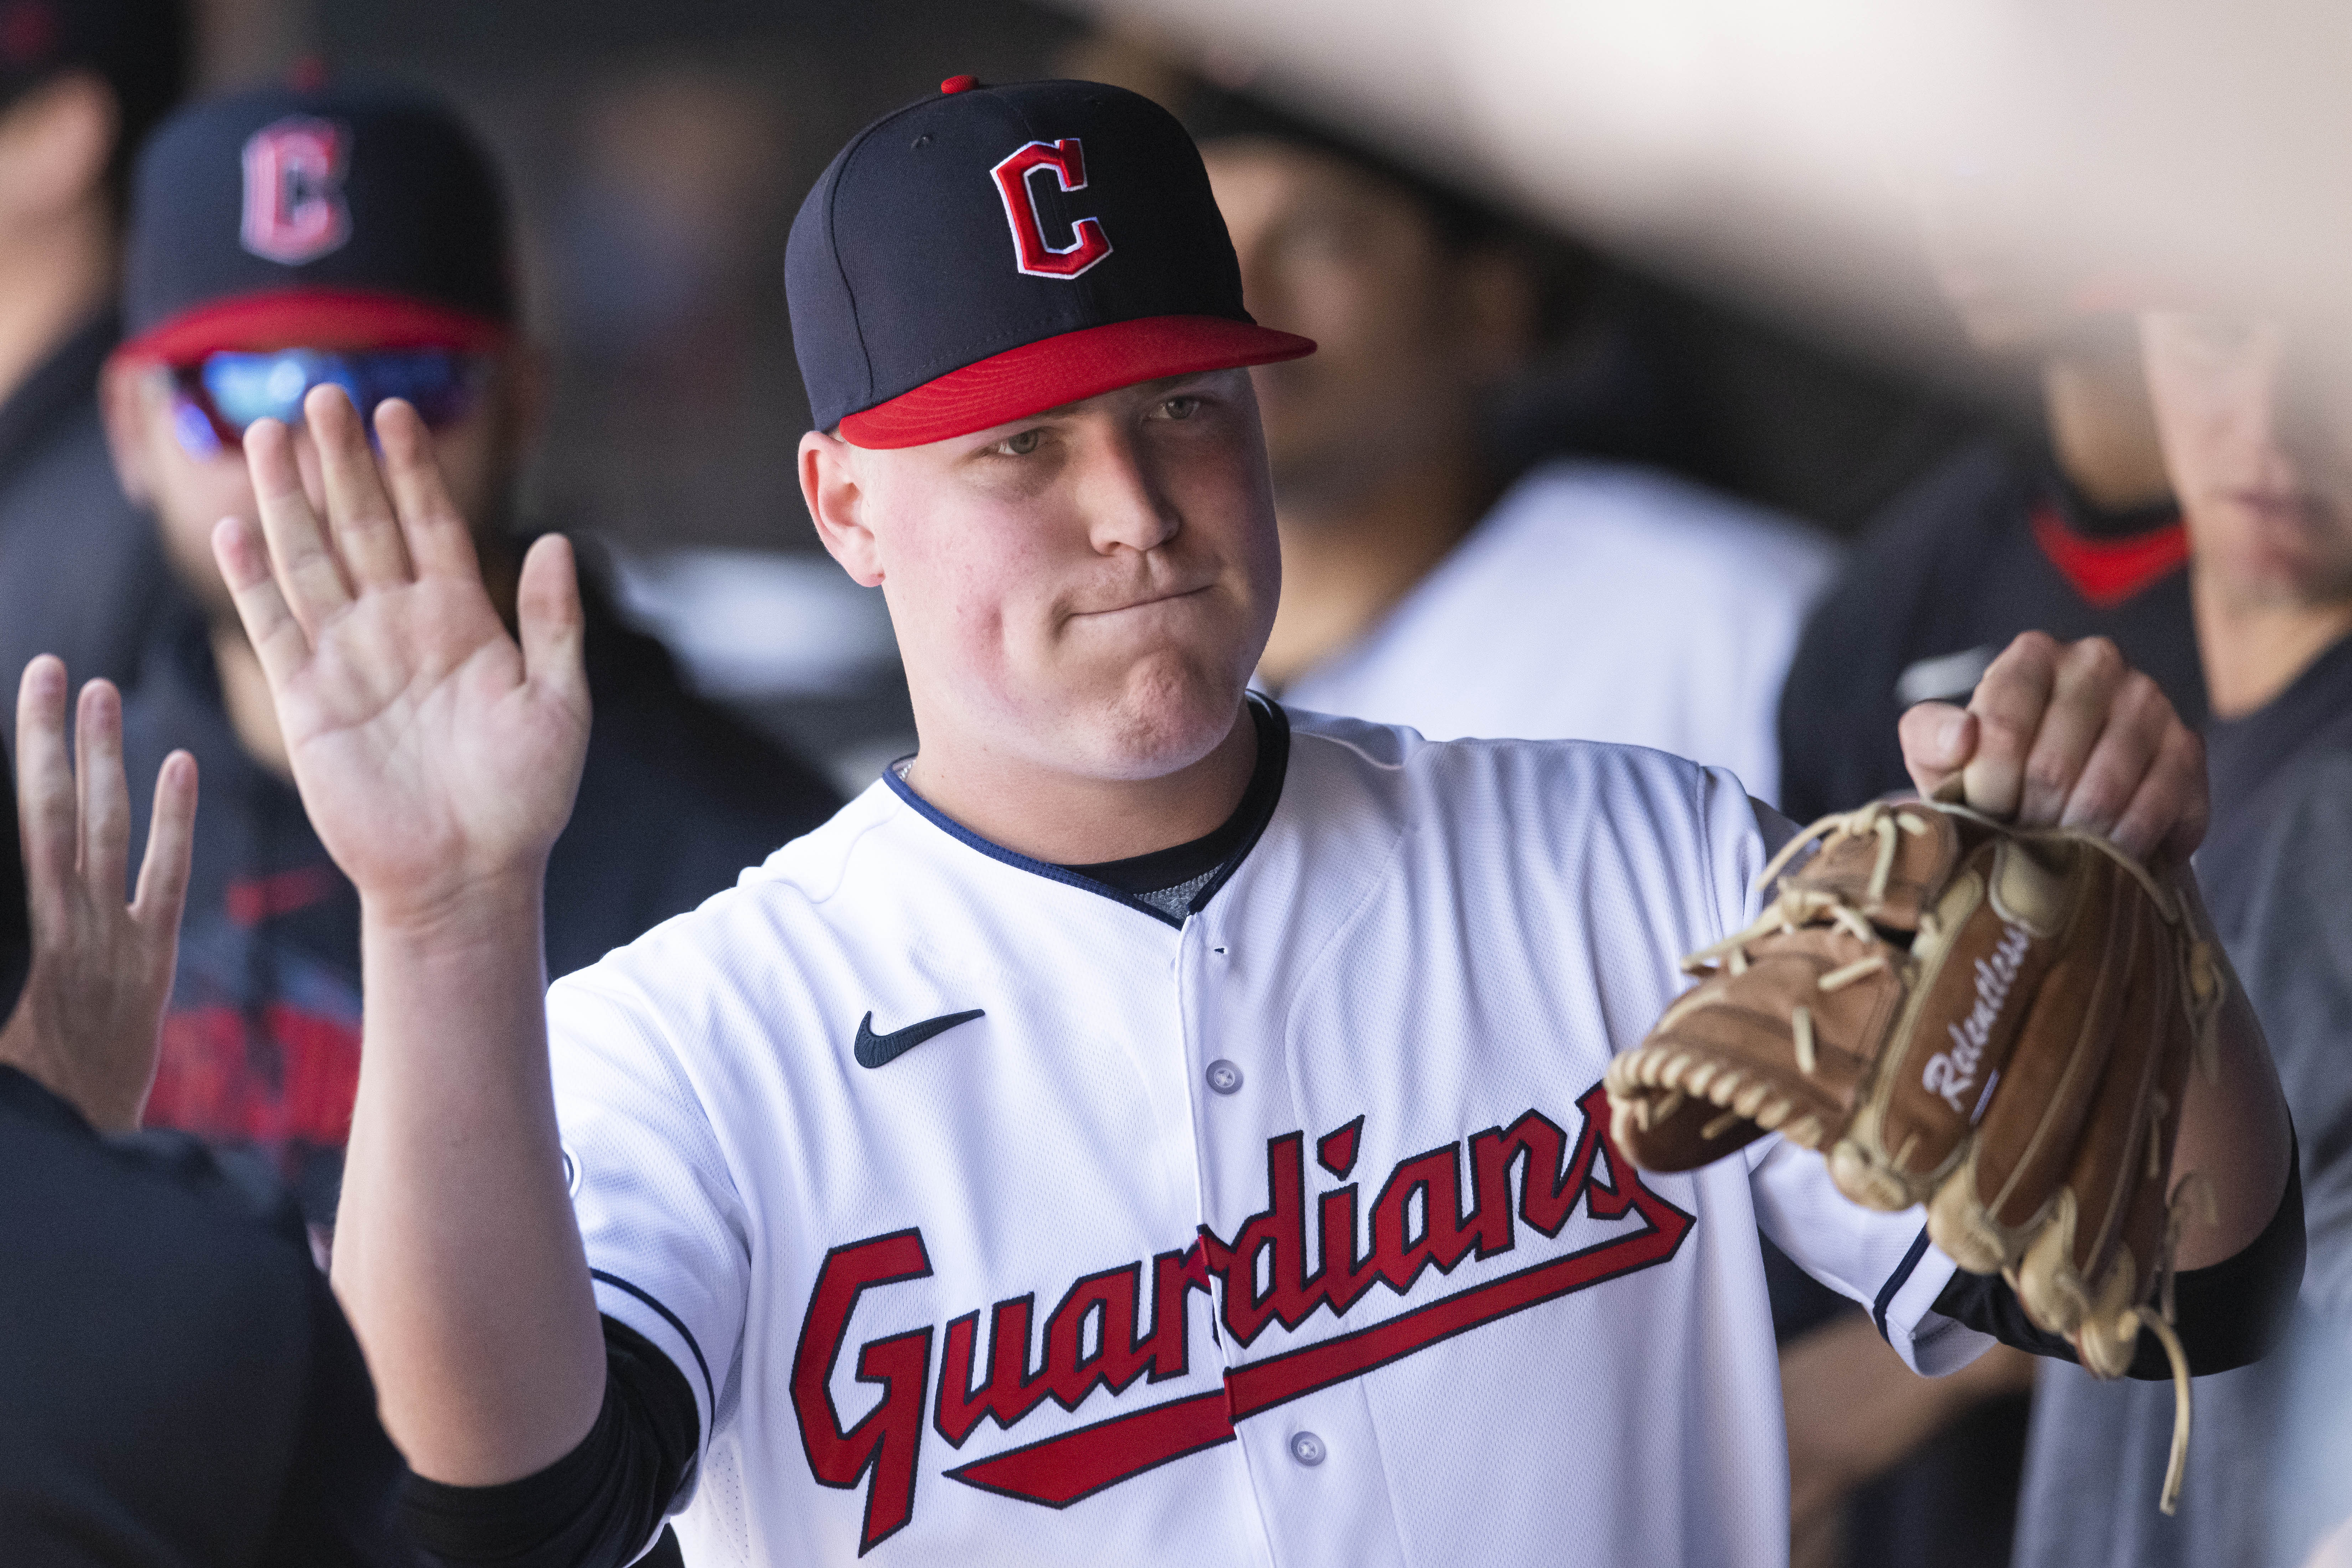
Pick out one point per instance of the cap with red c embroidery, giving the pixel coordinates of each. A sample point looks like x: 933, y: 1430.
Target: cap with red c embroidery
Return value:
x: 992, y: 252
x: 321, y: 217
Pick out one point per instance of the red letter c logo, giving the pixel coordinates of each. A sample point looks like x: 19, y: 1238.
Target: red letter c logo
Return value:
x: 1032, y: 254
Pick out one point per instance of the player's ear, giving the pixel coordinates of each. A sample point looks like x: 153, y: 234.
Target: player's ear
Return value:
x: 836, y: 504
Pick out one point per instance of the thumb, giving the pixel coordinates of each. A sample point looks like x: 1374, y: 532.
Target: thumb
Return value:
x: 553, y: 627
x: 1938, y: 739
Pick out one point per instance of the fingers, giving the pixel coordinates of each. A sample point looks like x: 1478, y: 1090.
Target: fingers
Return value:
x: 2137, y: 721
x: 171, y: 840
x: 2009, y: 704
x: 1937, y: 741
x: 2166, y: 820
x: 2079, y: 714
x: 278, y: 640
x: 439, y: 541
x: 2069, y: 735
x: 358, y: 512
x: 547, y: 616
x: 105, y: 835
x: 300, y: 552
x: 44, y: 787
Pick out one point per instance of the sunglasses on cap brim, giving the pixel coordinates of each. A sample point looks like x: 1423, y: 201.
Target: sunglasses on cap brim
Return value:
x: 217, y: 398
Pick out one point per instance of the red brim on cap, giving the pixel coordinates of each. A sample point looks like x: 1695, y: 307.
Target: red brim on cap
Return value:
x: 312, y: 319
x: 1053, y: 371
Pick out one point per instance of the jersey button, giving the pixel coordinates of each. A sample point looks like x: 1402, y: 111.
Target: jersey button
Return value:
x: 1224, y: 1076
x: 1306, y: 1448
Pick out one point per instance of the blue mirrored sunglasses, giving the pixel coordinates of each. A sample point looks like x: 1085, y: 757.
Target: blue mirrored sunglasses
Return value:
x: 219, y: 396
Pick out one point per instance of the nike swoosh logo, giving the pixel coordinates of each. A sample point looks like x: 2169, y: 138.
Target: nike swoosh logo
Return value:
x: 874, y: 1050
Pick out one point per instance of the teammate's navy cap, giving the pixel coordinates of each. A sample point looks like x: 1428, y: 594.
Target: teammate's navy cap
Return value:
x: 993, y: 252
x: 314, y: 217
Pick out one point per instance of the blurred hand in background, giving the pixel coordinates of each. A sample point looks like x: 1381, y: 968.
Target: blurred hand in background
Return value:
x: 90, y: 1017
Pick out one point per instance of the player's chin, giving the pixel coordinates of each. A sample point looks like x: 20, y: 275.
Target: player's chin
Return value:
x: 1166, y: 714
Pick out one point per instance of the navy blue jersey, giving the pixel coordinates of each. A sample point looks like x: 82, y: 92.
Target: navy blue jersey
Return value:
x: 180, y: 1386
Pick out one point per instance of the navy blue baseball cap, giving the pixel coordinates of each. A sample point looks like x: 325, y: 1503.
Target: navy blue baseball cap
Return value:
x: 992, y: 252
x: 324, y: 217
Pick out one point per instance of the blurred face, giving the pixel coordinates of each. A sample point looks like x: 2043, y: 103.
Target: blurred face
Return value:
x: 54, y: 146
x: 1408, y: 329
x: 1086, y: 590
x: 2259, y: 443
x: 189, y: 492
x: 2006, y: 302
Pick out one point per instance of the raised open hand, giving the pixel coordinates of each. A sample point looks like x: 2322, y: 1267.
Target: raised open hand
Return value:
x: 437, y: 758
x: 90, y: 1021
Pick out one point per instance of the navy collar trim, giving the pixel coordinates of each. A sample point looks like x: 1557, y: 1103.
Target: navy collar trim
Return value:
x: 1273, y: 758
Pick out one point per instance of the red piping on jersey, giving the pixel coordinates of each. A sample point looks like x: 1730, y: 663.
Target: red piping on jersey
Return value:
x: 2107, y: 571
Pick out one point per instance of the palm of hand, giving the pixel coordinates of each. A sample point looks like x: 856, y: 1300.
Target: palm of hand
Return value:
x: 433, y: 753
x: 424, y: 756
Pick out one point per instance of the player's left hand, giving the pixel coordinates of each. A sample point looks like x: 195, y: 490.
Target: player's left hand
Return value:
x: 2067, y: 734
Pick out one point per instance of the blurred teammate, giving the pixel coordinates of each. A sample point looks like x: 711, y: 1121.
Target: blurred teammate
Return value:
x: 2079, y: 538
x: 1593, y: 600
x: 282, y: 238
x: 179, y: 1385
x: 2258, y: 440
x: 80, y: 83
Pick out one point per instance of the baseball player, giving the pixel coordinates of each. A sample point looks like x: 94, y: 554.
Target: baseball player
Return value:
x: 282, y: 237
x: 180, y: 1386
x: 1417, y: 590
x: 1147, y: 1126
x: 2254, y: 425
x: 2074, y: 532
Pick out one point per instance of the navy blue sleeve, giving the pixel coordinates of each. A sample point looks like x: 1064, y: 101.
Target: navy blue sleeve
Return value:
x: 598, y: 1504
x: 2230, y: 1315
x: 341, y: 1495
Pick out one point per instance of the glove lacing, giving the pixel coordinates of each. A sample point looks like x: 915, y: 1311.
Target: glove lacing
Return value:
x: 1797, y: 906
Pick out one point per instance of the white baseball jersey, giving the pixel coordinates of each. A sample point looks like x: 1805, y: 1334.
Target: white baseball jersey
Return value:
x: 1288, y: 1234
x: 1597, y: 602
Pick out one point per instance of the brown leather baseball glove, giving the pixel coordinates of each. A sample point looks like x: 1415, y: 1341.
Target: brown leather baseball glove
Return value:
x: 1996, y: 1022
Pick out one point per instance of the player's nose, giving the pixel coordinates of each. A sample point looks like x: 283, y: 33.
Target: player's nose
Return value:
x: 1123, y: 504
